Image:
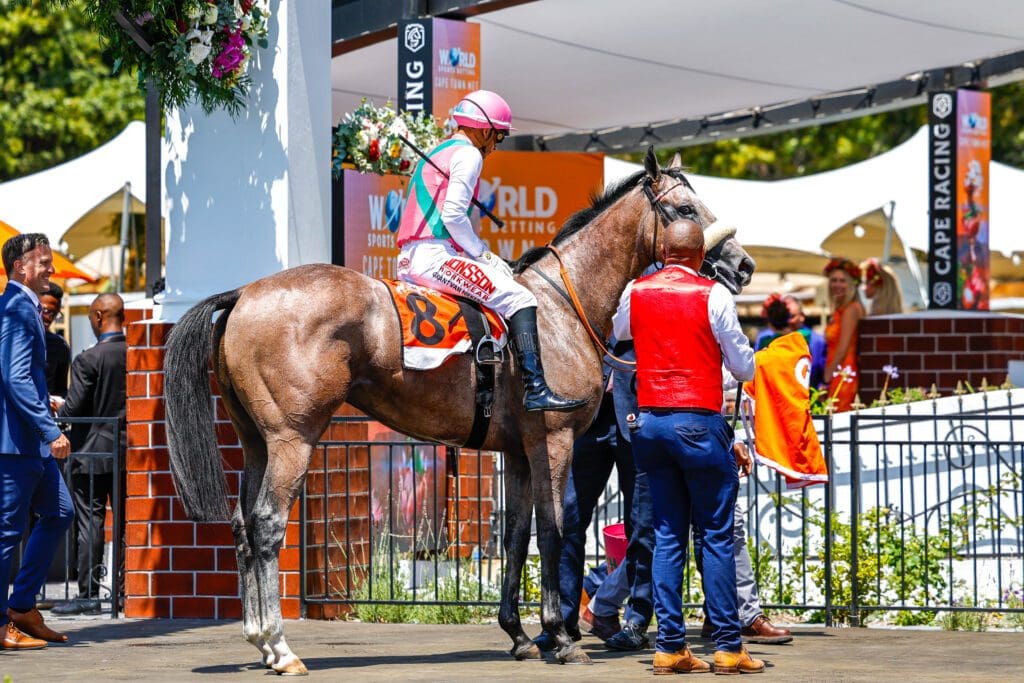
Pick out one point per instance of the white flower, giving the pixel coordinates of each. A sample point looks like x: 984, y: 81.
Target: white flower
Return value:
x: 892, y: 371
x: 246, y: 22
x: 193, y: 10
x: 200, y: 44
x: 398, y: 127
x: 238, y: 10
x: 211, y: 15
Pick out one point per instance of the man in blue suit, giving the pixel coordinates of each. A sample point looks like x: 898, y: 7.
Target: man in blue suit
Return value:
x: 30, y: 480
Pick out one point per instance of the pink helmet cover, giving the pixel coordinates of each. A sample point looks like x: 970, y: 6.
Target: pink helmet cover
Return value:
x: 482, y: 109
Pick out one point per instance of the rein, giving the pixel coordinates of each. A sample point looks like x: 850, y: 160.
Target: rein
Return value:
x: 578, y: 307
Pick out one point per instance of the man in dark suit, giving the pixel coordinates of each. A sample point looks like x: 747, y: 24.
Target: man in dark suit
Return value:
x: 97, y: 390
x: 58, y: 353
x: 29, y: 443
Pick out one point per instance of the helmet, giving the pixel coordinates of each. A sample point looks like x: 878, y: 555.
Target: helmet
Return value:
x: 483, y: 109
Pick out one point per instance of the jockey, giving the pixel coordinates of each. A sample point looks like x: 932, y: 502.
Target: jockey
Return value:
x: 441, y: 250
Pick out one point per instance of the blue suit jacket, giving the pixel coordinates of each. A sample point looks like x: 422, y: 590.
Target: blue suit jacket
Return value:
x: 26, y: 426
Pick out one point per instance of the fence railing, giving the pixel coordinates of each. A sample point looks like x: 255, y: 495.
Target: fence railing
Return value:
x: 923, y: 513
x: 62, y: 578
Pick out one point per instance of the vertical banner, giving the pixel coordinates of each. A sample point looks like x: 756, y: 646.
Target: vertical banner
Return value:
x: 415, y: 66
x: 456, y: 69
x: 372, y: 211
x: 973, y: 154
x: 942, y: 267
x: 438, y: 63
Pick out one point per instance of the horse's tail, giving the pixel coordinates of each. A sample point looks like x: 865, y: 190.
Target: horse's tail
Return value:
x: 191, y: 440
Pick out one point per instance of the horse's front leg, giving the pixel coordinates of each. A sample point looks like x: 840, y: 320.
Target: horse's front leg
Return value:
x: 550, y: 464
x: 518, y: 513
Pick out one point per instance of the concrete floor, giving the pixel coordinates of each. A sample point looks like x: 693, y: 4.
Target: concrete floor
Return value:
x: 102, y: 649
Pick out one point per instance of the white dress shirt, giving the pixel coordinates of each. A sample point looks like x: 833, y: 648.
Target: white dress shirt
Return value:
x: 737, y: 354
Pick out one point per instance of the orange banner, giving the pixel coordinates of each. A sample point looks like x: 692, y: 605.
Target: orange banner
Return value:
x: 534, y: 193
x: 456, y: 63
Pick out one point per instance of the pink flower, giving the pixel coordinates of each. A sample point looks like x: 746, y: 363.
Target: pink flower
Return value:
x: 230, y: 57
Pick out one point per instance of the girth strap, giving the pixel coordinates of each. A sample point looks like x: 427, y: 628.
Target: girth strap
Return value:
x: 476, y: 323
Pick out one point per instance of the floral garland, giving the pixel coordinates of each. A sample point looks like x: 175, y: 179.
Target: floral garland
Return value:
x: 369, y: 138
x: 872, y: 271
x: 195, y: 50
x: 845, y: 265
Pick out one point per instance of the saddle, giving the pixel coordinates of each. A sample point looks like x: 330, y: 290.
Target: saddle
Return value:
x: 437, y: 326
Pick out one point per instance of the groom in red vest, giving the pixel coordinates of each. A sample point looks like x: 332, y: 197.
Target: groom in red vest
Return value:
x: 685, y: 327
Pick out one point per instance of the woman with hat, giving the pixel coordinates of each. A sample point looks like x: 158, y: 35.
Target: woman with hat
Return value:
x: 841, y: 332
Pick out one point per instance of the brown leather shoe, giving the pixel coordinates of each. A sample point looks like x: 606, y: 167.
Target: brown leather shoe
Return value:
x: 765, y: 632
x: 16, y: 640
x: 602, y: 627
x: 679, y: 662
x: 727, y: 663
x: 31, y: 622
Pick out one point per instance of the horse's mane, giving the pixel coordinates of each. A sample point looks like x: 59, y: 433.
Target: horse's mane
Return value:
x: 598, y: 204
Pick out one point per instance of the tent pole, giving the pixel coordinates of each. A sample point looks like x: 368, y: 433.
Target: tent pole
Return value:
x: 126, y: 215
x: 887, y: 249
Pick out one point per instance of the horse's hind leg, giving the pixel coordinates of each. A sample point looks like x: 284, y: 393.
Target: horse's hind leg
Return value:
x: 550, y: 466
x: 288, y: 459
x: 518, y: 513
x: 252, y: 478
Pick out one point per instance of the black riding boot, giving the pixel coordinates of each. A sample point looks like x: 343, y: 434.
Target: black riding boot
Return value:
x: 522, y: 328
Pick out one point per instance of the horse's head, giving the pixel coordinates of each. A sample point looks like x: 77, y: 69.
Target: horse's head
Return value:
x: 671, y: 197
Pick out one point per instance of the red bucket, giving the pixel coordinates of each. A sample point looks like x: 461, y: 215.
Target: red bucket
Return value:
x: 615, y: 543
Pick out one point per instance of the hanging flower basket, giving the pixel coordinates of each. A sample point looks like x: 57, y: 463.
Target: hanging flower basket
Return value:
x: 195, y: 50
x: 370, y: 139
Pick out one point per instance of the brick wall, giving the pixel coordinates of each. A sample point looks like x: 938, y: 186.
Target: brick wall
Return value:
x: 175, y: 567
x: 470, y: 502
x: 938, y: 347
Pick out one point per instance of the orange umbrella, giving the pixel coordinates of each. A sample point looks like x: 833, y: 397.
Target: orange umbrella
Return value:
x: 63, y: 266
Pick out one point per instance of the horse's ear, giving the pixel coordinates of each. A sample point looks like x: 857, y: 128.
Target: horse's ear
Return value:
x: 677, y: 161
x: 651, y: 164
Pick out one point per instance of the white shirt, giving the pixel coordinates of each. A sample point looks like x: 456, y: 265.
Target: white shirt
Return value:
x: 737, y: 354
x: 465, y: 165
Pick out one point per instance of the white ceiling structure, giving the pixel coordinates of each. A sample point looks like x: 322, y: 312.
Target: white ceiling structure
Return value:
x: 593, y: 65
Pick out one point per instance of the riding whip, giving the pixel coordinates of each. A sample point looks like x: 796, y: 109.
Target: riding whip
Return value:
x: 483, y: 209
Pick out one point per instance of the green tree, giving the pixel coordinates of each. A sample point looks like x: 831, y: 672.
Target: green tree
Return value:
x: 825, y: 147
x: 60, y: 98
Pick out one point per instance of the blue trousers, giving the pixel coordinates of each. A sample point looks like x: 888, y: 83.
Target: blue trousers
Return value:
x: 595, y: 453
x: 690, y: 467
x: 30, y: 484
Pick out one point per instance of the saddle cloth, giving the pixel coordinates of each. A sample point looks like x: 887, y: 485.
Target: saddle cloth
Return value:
x: 433, y: 325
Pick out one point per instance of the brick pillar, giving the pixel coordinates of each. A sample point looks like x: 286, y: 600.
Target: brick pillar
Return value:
x: 938, y: 347
x: 470, y: 502
x: 175, y: 567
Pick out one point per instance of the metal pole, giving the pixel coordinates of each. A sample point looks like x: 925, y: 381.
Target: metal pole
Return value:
x: 126, y: 216
x: 854, y: 522
x: 828, y: 520
x: 154, y: 194
x: 118, y: 521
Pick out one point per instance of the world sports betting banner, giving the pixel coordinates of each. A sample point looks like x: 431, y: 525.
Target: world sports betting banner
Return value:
x: 438, y: 63
x: 532, y: 192
x: 960, y: 149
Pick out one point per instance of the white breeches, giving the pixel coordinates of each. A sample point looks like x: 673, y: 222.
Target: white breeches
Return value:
x: 436, y: 265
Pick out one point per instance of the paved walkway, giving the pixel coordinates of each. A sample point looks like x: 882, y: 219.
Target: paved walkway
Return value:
x: 152, y: 650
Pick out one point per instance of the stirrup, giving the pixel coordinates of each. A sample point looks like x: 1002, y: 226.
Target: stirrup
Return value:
x: 496, y: 352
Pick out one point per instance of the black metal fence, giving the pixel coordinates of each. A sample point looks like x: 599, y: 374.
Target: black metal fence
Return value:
x: 62, y: 578
x: 922, y: 514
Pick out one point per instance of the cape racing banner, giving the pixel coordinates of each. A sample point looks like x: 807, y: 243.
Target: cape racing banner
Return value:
x: 776, y: 407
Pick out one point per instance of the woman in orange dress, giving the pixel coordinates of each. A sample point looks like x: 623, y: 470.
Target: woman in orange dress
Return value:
x: 841, y: 332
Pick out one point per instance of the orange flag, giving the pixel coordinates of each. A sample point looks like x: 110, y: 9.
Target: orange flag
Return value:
x: 779, y: 399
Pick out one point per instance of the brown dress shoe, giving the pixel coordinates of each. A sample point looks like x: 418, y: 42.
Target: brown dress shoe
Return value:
x: 16, y: 640
x: 741, y: 662
x: 765, y: 632
x: 679, y: 662
x: 31, y: 622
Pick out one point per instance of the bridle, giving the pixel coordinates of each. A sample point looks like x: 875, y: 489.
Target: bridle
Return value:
x: 663, y: 213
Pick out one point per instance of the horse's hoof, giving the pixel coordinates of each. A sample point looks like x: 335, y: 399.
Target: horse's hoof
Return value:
x: 290, y: 666
x: 572, y: 654
x: 528, y: 650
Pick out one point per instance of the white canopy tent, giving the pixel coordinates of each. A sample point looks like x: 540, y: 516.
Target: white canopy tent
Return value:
x: 846, y: 212
x: 77, y: 203
x: 598, y: 65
